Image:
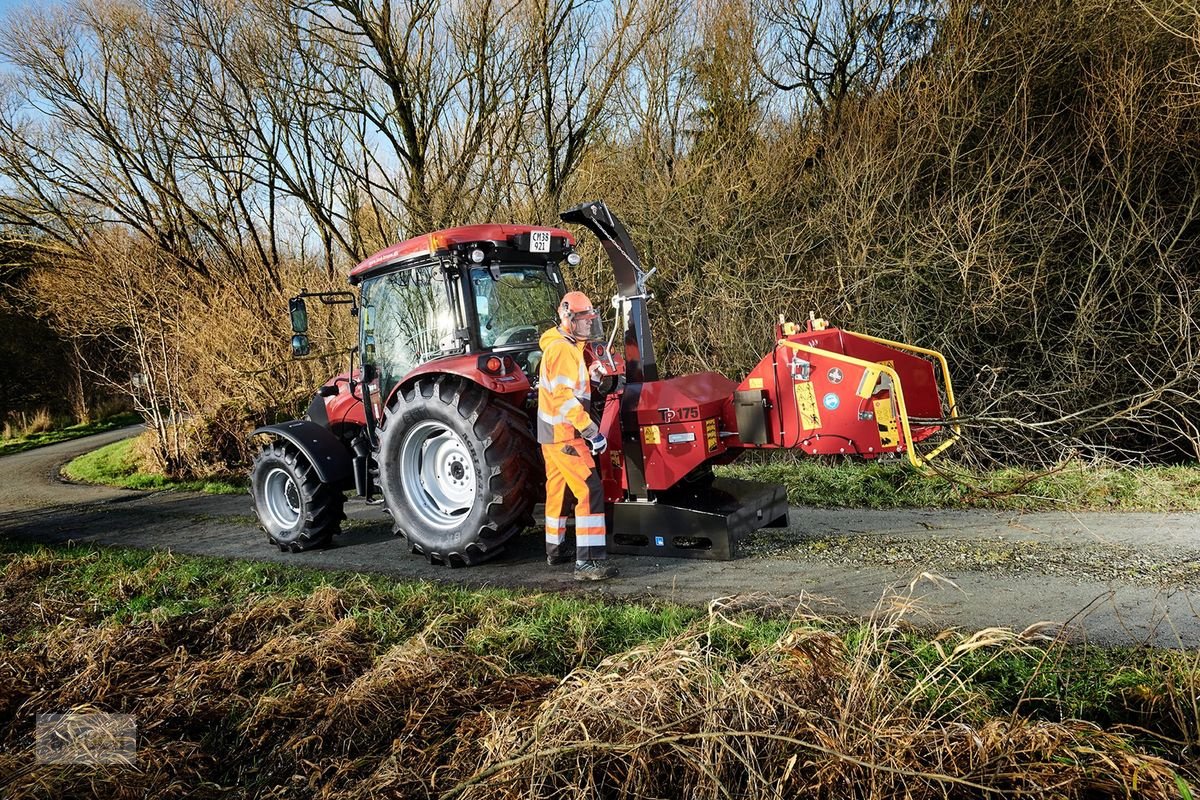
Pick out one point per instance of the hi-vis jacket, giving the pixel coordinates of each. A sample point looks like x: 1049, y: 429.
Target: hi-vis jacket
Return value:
x: 564, y: 390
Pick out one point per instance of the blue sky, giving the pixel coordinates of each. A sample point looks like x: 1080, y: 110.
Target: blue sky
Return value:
x: 26, y: 6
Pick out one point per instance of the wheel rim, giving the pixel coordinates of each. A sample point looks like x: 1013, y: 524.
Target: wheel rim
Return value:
x: 282, y: 497
x: 437, y: 474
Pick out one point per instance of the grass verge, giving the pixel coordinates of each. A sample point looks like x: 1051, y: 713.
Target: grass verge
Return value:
x: 291, y: 682
x: 1073, y: 486
x: 810, y: 482
x: 116, y: 465
x: 29, y: 441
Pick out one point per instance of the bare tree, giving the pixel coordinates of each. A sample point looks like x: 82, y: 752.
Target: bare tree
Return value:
x: 578, y: 54
x: 834, y: 50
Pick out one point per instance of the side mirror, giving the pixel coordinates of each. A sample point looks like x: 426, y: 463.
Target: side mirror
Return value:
x: 300, y: 346
x: 299, y: 314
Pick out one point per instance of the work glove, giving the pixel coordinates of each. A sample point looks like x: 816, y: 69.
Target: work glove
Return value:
x: 597, y: 444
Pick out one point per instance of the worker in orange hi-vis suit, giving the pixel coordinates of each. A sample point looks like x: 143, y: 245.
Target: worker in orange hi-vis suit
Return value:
x: 570, y: 440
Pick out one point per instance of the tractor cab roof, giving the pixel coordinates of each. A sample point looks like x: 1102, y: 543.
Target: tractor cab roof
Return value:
x: 516, y: 238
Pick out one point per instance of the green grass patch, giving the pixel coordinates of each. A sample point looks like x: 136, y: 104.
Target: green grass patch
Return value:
x: 19, y: 444
x: 116, y: 465
x: 538, y: 632
x: 1073, y: 486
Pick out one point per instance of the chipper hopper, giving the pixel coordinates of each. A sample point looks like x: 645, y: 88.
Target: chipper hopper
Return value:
x: 449, y: 325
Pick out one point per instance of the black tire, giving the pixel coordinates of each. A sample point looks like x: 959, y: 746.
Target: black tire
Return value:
x: 296, y: 509
x: 457, y: 470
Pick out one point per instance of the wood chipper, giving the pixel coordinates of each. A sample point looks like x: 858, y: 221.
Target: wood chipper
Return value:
x: 448, y: 359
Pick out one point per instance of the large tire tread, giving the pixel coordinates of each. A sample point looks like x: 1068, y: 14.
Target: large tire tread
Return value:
x: 324, y: 506
x: 510, y: 478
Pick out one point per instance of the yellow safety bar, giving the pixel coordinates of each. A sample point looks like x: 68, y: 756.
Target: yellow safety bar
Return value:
x: 915, y: 458
x: 912, y: 348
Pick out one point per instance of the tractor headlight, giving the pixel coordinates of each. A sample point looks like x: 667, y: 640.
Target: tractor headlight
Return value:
x: 476, y: 256
x: 573, y: 259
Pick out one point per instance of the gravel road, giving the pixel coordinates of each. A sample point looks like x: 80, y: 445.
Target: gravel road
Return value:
x: 1108, y: 578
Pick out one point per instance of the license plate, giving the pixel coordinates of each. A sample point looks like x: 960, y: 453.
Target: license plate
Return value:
x: 539, y: 241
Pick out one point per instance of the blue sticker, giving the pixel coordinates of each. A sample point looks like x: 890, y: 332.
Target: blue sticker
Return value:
x: 831, y: 401
x: 658, y: 541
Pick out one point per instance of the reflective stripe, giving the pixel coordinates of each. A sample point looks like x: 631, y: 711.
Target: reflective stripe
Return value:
x: 556, y: 419
x: 568, y: 404
x: 589, y: 521
x: 556, y: 523
x: 584, y: 393
x: 555, y: 538
x: 556, y: 382
x: 589, y: 539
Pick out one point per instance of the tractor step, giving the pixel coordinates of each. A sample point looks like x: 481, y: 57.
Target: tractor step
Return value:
x: 701, y: 520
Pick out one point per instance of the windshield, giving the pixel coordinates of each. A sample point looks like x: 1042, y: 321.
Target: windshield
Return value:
x: 515, y: 309
x: 406, y: 321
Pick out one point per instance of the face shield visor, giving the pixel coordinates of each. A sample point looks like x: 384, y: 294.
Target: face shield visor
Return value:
x: 585, y: 326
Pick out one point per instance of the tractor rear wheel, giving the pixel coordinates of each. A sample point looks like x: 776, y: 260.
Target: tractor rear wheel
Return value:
x: 298, y: 511
x: 456, y: 470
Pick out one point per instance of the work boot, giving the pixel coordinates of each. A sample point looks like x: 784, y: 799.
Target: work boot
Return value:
x: 565, y: 556
x: 594, y: 571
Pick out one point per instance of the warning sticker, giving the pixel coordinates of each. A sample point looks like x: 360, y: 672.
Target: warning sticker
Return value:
x: 888, y: 437
x: 710, y: 434
x: 650, y: 434
x: 866, y: 386
x: 806, y: 403
x: 756, y: 383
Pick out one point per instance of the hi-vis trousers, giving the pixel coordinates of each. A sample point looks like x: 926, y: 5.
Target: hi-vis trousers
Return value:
x: 571, y: 468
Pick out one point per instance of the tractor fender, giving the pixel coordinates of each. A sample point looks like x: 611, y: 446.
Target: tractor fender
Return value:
x: 324, y: 449
x: 467, y: 366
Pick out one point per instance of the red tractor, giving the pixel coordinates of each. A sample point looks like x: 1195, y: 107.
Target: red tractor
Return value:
x: 448, y: 332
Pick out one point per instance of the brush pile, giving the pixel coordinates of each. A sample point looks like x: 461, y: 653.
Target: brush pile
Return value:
x: 291, y: 697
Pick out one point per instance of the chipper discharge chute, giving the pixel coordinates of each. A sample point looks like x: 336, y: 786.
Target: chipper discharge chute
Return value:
x: 448, y: 355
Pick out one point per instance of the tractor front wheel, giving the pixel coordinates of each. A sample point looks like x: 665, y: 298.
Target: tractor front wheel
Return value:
x: 298, y: 511
x: 456, y: 470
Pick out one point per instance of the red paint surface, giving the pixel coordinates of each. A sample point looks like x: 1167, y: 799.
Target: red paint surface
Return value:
x: 441, y: 240
x: 841, y: 431
x: 681, y: 407
x: 513, y: 382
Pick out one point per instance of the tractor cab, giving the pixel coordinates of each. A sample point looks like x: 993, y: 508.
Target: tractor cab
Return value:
x: 480, y: 289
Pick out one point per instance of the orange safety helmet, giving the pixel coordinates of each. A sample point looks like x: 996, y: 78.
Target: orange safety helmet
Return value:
x: 579, y: 320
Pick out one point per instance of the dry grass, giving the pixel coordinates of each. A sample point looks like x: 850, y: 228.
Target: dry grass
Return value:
x: 301, y: 697
x: 21, y: 424
x: 807, y: 717
x: 256, y: 697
